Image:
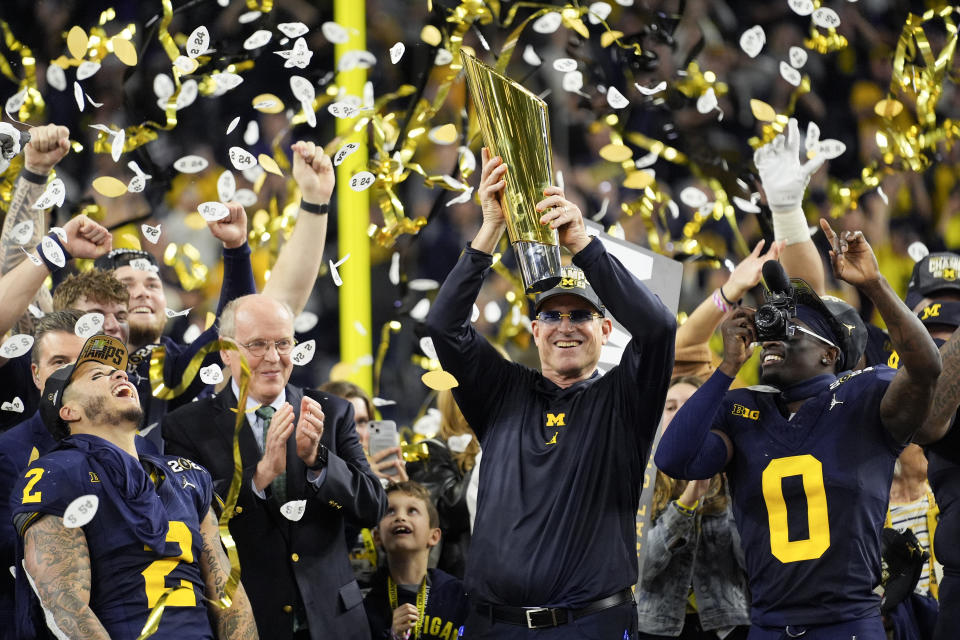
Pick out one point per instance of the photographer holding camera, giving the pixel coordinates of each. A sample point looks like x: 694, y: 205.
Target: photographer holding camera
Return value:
x: 810, y: 453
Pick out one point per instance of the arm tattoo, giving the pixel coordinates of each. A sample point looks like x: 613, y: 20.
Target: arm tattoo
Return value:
x: 25, y: 193
x: 58, y: 560
x: 906, y: 402
x: 236, y: 621
x: 947, y: 394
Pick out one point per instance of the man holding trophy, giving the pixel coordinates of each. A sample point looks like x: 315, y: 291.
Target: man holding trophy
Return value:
x: 565, y: 448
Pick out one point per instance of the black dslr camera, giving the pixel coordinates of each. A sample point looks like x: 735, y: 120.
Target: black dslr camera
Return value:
x: 772, y: 319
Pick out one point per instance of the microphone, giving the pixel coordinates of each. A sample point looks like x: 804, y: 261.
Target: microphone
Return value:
x: 776, y: 278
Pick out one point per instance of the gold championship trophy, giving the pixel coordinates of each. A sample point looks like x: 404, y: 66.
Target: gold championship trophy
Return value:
x: 515, y: 127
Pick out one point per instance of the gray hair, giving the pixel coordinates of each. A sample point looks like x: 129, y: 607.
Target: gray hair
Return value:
x: 228, y: 317
x: 64, y: 320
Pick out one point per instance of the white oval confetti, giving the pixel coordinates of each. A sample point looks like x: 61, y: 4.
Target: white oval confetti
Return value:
x: 191, y: 164
x: 572, y: 81
x: 226, y: 186
x: 163, y: 86
x: 342, y: 110
x: 334, y: 33
x: 396, y: 52
x: 362, y: 181
x: 198, y: 42
x: 826, y: 18
x: 798, y: 57
x: 298, y: 57
x: 530, y: 56
x: 16, y: 405
x: 185, y: 64
x: 492, y: 312
x: 305, y: 321
x: 257, y: 39
x: 16, y: 101
x: 241, y: 159
x: 831, y: 149
x: 233, y: 125
x: 344, y: 152
x: 565, y: 65
x: 801, y: 7
x: 423, y: 284
x: 86, y: 69
x: 302, y: 89
x: 616, y: 99
x: 80, y: 511
x: 443, y: 58
x: 293, y: 29
x: 35, y: 311
x: 459, y: 444
x: 116, y: 147
x: 137, y: 184
x: 77, y: 96
x: 152, y: 234
x: 693, y: 197
x: 211, y: 375
x: 420, y: 310
x: 429, y: 350
x: 293, y: 510
x: 475, y: 314
x: 598, y: 11
x: 23, y: 231
x: 213, y: 211
x: 813, y: 136
x: 790, y: 74
x: 16, y: 346
x: 188, y: 94
x: 752, y: 40
x: 548, y: 23
x: 245, y: 197
x: 356, y: 59
x: 303, y: 353
x: 249, y: 16
x: 918, y: 251
x: 649, y: 91
x: 56, y: 77
x: 251, y: 134
x: 707, y: 102
x: 745, y: 205
x: 176, y: 314
x: 226, y: 82
x: 88, y: 325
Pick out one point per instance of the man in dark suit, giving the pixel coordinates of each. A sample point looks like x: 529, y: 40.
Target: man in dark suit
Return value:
x: 304, y: 473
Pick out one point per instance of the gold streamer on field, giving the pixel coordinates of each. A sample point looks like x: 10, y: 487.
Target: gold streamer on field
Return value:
x: 157, y: 358
x: 187, y: 263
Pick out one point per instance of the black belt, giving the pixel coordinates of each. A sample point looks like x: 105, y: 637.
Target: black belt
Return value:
x: 542, y: 617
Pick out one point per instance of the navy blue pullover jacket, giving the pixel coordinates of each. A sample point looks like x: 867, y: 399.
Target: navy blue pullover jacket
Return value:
x: 562, y: 468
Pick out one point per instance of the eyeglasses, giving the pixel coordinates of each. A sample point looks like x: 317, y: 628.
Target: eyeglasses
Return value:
x: 796, y: 327
x: 259, y: 348
x: 577, y: 316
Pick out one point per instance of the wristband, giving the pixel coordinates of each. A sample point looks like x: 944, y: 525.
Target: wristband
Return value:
x: 30, y: 176
x: 685, y: 510
x: 53, y: 250
x: 725, y: 299
x: 322, y: 456
x: 790, y: 226
x: 719, y: 301
x: 318, y: 209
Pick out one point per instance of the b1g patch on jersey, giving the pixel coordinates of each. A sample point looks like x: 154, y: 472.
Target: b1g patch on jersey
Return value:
x: 745, y: 412
x: 847, y: 376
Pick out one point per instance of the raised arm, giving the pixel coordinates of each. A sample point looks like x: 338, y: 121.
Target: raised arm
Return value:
x: 946, y: 397
x: 708, y: 315
x: 58, y: 562
x: 906, y: 402
x: 293, y: 276
x: 48, y: 145
x: 784, y: 181
x: 85, y: 239
x: 694, y: 447
x: 235, y: 621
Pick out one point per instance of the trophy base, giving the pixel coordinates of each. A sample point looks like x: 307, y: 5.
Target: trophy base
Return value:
x: 539, y: 265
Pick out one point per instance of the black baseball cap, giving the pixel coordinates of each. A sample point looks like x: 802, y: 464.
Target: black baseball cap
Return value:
x: 126, y: 257
x: 848, y: 328
x: 934, y: 273
x: 572, y: 282
x: 99, y: 348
